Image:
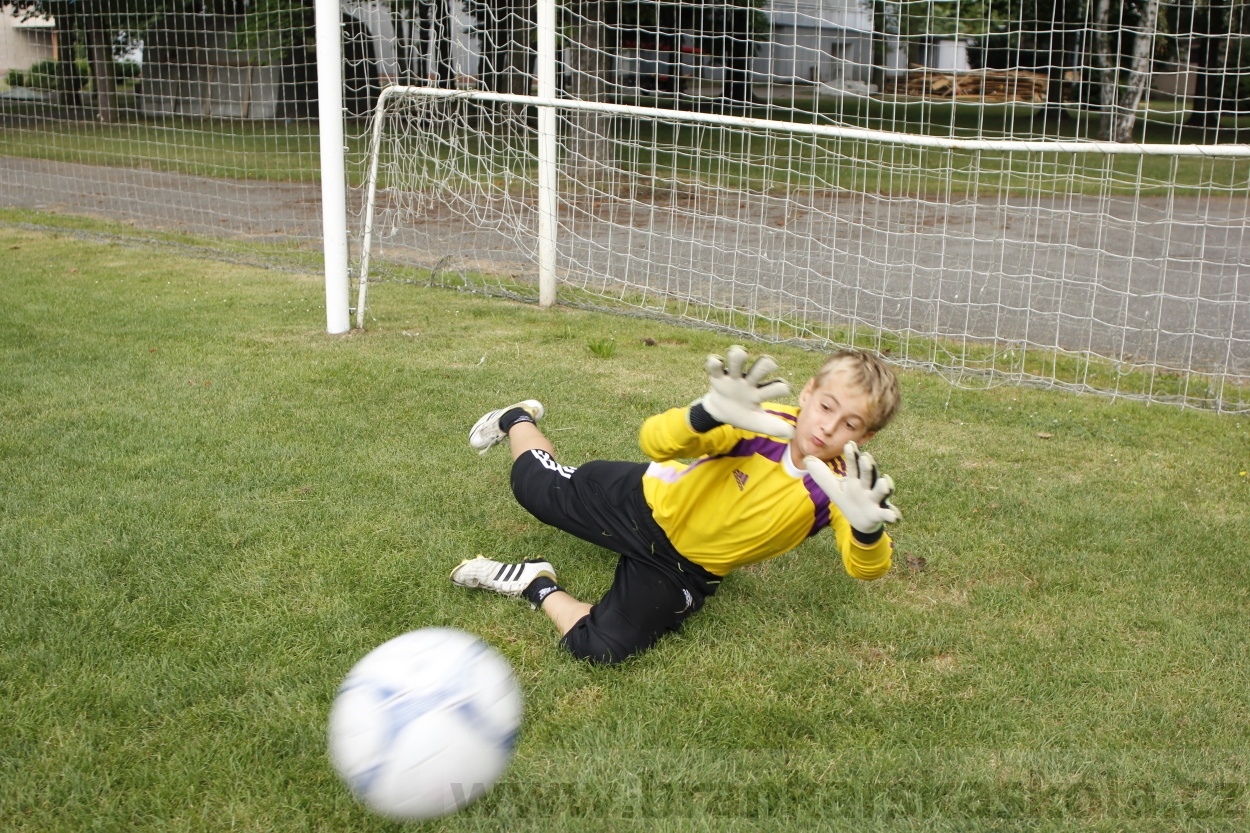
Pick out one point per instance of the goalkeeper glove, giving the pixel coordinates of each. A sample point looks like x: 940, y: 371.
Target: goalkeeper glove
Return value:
x: 862, y: 496
x: 735, y: 394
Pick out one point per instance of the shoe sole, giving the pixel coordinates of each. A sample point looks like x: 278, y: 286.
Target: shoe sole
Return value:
x: 531, y: 406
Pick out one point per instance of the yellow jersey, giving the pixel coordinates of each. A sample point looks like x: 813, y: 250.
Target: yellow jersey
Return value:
x: 742, y: 499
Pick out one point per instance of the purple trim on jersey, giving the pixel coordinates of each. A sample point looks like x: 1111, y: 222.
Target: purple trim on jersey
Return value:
x: 670, y: 475
x: 783, y: 415
x: 663, y: 473
x: 763, y: 446
x: 821, y: 502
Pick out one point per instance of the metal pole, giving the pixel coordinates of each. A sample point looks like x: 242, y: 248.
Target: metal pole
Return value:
x: 333, y: 182
x: 1235, y: 151
x: 547, y: 152
x: 366, y: 243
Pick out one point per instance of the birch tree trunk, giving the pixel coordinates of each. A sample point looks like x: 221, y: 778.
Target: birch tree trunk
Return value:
x: 1107, y: 64
x: 1213, y: 32
x: 1139, y: 74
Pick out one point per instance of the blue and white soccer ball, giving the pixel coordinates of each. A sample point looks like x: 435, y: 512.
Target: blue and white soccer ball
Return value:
x: 424, y: 724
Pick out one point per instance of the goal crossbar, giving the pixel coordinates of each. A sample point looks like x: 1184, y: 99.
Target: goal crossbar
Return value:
x: 826, y: 130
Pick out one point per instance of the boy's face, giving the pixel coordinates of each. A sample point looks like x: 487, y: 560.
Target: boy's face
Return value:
x: 831, y: 414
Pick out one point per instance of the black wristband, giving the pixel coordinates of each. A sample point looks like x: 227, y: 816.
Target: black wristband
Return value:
x: 867, y: 539
x: 700, y: 420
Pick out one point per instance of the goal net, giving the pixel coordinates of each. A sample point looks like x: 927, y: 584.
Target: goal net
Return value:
x: 1094, y: 266
x: 1038, y: 192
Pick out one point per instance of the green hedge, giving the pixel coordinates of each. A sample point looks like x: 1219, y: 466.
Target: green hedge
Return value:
x: 67, y: 77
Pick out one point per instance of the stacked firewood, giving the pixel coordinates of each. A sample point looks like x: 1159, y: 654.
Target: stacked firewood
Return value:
x: 993, y: 85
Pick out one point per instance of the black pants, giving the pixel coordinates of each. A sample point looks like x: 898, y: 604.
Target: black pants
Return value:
x: 655, y: 587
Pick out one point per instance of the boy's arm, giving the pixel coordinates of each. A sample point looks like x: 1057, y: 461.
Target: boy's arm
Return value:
x: 669, y: 436
x: 862, y: 495
x: 865, y: 557
x: 733, y: 405
x: 861, y: 499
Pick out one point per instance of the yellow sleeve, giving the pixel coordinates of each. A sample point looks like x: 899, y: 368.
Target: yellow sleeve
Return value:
x: 862, y: 562
x: 668, y: 436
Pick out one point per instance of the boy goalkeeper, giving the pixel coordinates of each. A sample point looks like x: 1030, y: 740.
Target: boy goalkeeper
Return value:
x: 764, y: 477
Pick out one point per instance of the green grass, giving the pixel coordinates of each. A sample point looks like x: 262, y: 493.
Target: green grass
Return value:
x: 209, y: 510
x: 602, y: 348
x: 286, y: 254
x: 279, y: 152
x: 974, y: 363
x: 655, y: 155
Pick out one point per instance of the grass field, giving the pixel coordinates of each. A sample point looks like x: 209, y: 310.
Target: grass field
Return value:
x: 209, y: 510
x: 279, y: 152
x: 287, y: 152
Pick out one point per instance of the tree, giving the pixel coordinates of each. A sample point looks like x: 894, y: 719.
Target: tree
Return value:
x: 1120, y: 101
x: 101, y: 28
x: 1219, y: 30
x: 505, y: 31
x: 733, y: 29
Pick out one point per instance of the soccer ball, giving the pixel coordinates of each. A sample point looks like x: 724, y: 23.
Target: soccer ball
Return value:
x: 424, y: 725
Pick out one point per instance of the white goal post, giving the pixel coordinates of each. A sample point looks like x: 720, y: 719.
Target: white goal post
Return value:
x: 333, y: 180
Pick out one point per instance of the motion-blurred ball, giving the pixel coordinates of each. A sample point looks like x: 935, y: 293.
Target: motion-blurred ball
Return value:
x: 424, y: 724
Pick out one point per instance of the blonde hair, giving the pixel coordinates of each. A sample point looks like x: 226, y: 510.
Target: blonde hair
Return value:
x: 869, y: 374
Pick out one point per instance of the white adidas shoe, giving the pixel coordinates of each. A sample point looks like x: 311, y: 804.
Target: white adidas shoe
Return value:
x: 508, y: 579
x: 486, y: 431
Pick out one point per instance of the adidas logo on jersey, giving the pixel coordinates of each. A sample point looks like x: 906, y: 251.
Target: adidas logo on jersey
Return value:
x: 740, y: 477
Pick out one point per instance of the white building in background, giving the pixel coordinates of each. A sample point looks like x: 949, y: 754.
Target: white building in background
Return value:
x: 823, y: 44
x: 944, y: 52
x: 820, y: 44
x: 24, y: 43
x: 191, y: 67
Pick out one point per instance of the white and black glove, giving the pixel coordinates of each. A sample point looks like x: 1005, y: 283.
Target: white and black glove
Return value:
x: 862, y: 496
x: 736, y: 394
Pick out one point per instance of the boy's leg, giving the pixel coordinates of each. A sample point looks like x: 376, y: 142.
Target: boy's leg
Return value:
x: 602, y: 503
x: 564, y: 611
x: 641, y: 606
x: 525, y: 436
x: 645, y: 601
x: 535, y: 580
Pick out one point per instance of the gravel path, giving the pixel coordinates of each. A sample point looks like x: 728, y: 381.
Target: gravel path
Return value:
x: 1153, y: 281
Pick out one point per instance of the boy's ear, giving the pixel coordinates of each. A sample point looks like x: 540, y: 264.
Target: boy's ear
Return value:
x: 806, y: 392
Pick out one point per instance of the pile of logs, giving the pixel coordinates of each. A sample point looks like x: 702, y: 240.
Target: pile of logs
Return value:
x: 990, y: 85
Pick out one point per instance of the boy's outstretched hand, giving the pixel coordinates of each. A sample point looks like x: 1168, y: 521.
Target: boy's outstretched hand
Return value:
x: 863, y: 495
x: 736, y: 393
